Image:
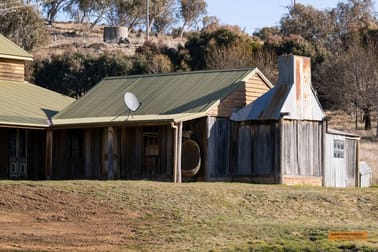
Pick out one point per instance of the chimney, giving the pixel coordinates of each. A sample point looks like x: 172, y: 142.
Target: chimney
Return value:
x: 295, y: 72
x: 293, y: 69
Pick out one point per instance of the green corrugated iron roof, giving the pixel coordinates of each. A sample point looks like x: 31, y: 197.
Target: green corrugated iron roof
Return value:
x: 171, y: 96
x: 26, y: 105
x: 10, y: 50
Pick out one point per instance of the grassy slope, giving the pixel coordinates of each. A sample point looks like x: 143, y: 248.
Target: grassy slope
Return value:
x: 231, y: 216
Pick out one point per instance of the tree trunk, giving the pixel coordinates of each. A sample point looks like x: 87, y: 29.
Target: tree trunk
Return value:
x: 367, y: 119
x: 356, y: 119
x: 182, y: 30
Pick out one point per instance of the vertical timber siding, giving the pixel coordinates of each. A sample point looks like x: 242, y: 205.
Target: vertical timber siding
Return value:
x: 258, y: 152
x: 218, y: 157
x: 247, y: 92
x: 12, y: 70
x: 4, y: 152
x: 302, y: 144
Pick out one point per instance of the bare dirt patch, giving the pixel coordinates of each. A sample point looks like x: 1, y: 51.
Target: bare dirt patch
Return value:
x: 38, y: 218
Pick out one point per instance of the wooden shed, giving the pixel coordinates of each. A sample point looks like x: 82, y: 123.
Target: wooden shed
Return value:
x: 96, y: 137
x: 281, y: 137
x: 341, y: 159
x: 25, y: 110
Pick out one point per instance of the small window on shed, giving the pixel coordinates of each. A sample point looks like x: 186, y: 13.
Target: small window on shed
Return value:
x: 338, y: 148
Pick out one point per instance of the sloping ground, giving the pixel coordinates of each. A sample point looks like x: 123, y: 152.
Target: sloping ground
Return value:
x: 75, y: 37
x: 151, y: 216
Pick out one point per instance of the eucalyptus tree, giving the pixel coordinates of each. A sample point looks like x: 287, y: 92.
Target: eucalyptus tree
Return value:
x: 22, y: 23
x: 191, y: 13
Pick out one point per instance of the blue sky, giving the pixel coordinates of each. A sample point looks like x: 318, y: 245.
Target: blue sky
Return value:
x: 253, y: 14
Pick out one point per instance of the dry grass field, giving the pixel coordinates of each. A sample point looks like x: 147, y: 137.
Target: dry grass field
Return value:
x: 152, y: 216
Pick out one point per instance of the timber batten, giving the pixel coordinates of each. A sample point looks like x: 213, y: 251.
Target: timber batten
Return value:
x: 12, y: 70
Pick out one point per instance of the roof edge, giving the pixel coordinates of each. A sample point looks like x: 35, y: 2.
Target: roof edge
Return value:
x: 260, y: 74
x: 180, y: 73
x: 342, y: 133
x: 15, y: 57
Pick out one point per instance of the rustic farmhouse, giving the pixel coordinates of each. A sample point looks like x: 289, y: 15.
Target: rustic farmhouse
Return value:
x: 25, y: 110
x: 188, y: 113
x: 191, y: 126
x: 283, y: 136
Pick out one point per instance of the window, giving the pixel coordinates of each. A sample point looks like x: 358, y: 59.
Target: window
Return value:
x: 338, y: 148
x: 151, y: 141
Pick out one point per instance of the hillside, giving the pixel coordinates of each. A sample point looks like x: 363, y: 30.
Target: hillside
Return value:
x: 77, y: 37
x: 151, y: 216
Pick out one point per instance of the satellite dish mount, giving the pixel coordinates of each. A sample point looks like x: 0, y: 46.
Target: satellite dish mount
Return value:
x: 131, y: 102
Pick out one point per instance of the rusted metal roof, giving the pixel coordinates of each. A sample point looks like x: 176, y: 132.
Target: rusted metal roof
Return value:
x: 9, y: 50
x: 26, y: 105
x: 173, y: 96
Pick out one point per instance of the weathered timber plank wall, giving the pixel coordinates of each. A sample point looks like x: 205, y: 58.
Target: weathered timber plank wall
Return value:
x: 247, y: 92
x: 68, y: 154
x: 4, y: 152
x: 218, y: 152
x: 93, y: 152
x: 258, y: 153
x: 134, y: 163
x: 302, y: 145
x: 132, y: 152
x: 12, y: 70
x: 36, y: 154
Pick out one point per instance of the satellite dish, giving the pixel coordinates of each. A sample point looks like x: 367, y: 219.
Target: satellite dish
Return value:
x: 131, y: 101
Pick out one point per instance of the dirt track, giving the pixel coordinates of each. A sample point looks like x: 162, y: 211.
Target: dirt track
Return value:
x: 36, y: 219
